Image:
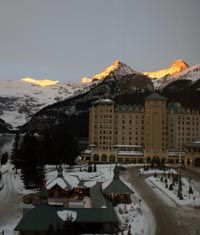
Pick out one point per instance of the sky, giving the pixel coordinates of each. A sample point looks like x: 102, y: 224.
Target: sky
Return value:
x: 69, y: 39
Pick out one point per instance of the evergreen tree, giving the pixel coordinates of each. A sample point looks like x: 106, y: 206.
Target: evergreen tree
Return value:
x: 32, y: 164
x: 4, y: 158
x: 15, y: 155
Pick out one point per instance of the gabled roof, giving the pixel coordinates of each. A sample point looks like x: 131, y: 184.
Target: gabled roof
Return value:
x: 116, y: 186
x: 129, y: 108
x: 155, y: 96
x: 98, y: 200
x: 39, y: 219
x: 175, y: 107
x: 60, y: 181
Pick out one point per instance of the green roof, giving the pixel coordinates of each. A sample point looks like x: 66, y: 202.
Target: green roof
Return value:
x: 175, y: 107
x: 44, y: 192
x: 117, y: 187
x: 97, y: 197
x: 39, y: 219
x: 95, y: 215
x: 59, y: 180
x: 155, y: 96
x: 129, y: 108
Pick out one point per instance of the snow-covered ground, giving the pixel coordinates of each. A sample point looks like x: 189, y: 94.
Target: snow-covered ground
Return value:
x: 190, y: 199
x: 162, y: 180
x: 10, y: 199
x: 132, y: 216
x: 21, y: 99
x: 135, y: 217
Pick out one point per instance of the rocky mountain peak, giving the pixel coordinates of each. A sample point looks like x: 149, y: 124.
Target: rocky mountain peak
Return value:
x: 180, y: 65
x: 118, y: 69
x: 176, y: 67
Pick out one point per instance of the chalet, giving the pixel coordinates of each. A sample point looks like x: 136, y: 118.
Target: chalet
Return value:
x: 44, y: 218
x: 59, y: 186
x: 99, y: 216
x: 116, y: 190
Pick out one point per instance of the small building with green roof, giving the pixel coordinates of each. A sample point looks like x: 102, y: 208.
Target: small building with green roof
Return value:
x: 116, y: 190
x: 45, y: 219
x: 59, y: 186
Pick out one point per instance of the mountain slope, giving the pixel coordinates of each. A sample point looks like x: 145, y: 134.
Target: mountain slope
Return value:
x: 20, y: 99
x: 192, y: 74
x: 5, y: 127
x: 177, y: 67
x: 130, y: 89
x: 117, y: 69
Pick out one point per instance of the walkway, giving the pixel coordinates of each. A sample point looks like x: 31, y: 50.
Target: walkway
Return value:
x: 170, y: 219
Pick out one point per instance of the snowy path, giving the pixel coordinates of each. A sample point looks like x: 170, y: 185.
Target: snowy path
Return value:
x: 170, y: 218
x: 10, y: 197
x: 11, y: 202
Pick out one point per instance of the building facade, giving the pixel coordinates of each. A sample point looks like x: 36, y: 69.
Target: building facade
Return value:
x: 137, y: 133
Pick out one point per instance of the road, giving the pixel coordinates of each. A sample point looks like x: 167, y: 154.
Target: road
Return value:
x: 10, y: 199
x: 170, y: 218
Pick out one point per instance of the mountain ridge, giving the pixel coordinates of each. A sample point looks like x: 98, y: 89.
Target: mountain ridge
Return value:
x: 116, y: 69
x: 21, y: 100
x: 176, y: 67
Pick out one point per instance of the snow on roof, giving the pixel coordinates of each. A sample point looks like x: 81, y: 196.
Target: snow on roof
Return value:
x: 73, y: 180
x: 103, y: 101
x: 175, y: 153
x: 89, y: 184
x: 138, y: 153
x: 197, y: 142
x: 127, y: 146
x: 57, y: 181
x: 87, y: 151
x: 105, y: 184
x: 67, y: 214
x: 67, y: 182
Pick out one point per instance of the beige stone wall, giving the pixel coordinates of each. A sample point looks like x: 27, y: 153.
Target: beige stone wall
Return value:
x: 101, y: 128
x: 183, y: 128
x: 153, y: 127
x: 129, y: 128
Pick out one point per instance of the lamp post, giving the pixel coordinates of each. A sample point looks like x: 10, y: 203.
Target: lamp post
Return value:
x: 179, y: 179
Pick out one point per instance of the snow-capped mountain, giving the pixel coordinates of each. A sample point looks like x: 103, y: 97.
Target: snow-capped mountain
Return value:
x: 117, y: 69
x: 73, y: 111
x: 192, y: 74
x: 177, y: 67
x: 4, y: 127
x: 20, y: 99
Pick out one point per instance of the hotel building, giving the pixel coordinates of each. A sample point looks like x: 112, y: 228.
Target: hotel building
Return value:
x: 137, y: 133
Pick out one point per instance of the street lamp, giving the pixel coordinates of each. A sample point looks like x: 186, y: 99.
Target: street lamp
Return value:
x: 179, y: 194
